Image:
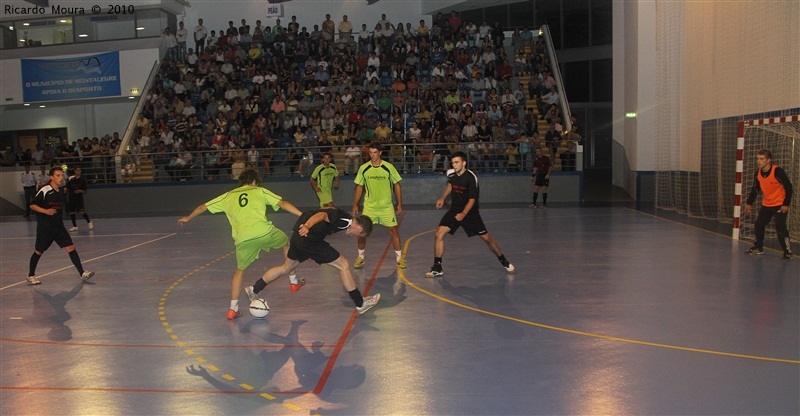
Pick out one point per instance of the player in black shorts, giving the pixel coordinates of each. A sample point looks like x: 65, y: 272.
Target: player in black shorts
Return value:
x: 308, y: 242
x: 48, y: 204
x: 462, y: 184
x: 76, y: 185
x: 542, y: 166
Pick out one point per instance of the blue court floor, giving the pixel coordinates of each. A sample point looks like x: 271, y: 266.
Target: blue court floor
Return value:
x: 611, y: 311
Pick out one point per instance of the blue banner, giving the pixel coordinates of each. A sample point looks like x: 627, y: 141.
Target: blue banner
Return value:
x: 77, y: 78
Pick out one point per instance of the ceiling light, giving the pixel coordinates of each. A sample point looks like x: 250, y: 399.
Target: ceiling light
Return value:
x: 27, y: 104
x: 63, y: 21
x: 139, y: 28
x: 83, y: 35
x: 26, y: 24
x: 41, y: 106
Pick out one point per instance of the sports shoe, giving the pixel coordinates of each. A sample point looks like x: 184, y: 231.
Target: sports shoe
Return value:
x: 436, y: 271
x: 73, y: 229
x: 787, y: 255
x: 509, y: 267
x: 232, y: 314
x: 369, y: 302
x: 532, y: 206
x: 401, y: 263
x: 755, y: 250
x: 32, y: 280
x: 86, y: 275
x: 91, y: 226
x: 359, y: 263
x: 294, y: 287
x: 250, y: 294
x: 544, y: 206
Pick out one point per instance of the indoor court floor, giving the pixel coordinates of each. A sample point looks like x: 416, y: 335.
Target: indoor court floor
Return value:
x: 611, y: 311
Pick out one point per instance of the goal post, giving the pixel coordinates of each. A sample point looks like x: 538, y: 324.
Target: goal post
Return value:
x: 780, y: 135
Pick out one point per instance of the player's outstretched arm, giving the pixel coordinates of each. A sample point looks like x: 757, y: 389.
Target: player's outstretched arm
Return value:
x: 197, y: 211
x: 287, y: 206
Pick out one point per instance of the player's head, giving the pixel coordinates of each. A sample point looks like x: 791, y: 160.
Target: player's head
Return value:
x: 249, y: 177
x: 361, y: 227
x: 56, y: 175
x: 763, y: 158
x: 375, y: 150
x: 538, y: 151
x: 459, y: 161
x: 77, y: 170
x: 326, y: 158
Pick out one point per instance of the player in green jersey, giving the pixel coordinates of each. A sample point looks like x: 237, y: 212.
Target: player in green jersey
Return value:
x: 252, y: 232
x: 380, y: 180
x: 324, y: 178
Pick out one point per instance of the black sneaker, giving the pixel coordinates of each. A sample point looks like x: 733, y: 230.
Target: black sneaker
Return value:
x: 787, y: 255
x: 436, y: 271
x: 755, y: 250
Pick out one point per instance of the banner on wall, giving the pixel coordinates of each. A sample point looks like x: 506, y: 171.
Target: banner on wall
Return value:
x: 76, y: 78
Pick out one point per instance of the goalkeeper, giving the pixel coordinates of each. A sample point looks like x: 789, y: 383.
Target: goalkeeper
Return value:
x: 774, y: 183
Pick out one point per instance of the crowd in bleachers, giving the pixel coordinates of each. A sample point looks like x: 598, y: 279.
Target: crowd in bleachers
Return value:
x: 266, y: 96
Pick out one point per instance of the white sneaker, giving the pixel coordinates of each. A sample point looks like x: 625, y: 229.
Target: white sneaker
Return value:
x: 86, y: 275
x: 250, y: 294
x: 73, y: 229
x: 532, y: 206
x: 369, y: 302
x: 32, y: 280
x: 510, y: 268
x: 91, y: 226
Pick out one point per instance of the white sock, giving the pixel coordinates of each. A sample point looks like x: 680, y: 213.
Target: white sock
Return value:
x: 398, y: 254
x: 293, y: 279
x: 235, y: 305
x: 361, y: 253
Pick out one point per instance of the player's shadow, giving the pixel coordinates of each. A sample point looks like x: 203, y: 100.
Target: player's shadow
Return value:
x: 490, y: 297
x: 54, y: 307
x: 309, y: 364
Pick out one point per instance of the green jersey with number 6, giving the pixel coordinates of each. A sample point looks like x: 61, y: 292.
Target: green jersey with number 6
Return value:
x: 246, y: 209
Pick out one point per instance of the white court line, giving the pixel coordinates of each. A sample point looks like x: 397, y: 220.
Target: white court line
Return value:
x: 91, y: 260
x: 83, y: 236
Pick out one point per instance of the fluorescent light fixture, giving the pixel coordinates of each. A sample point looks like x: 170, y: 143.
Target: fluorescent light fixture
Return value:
x: 27, y: 104
x: 131, y: 98
x: 41, y: 106
x: 11, y: 28
x: 135, y: 91
x: 63, y: 21
x: 83, y: 35
x: 631, y: 114
x: 140, y: 28
x: 26, y: 24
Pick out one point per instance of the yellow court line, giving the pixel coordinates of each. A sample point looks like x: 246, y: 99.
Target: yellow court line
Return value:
x: 573, y: 331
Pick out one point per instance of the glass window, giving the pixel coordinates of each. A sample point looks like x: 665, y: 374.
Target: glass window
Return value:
x: 602, y: 78
x: 476, y: 16
x: 576, y: 23
x: 577, y: 81
x: 38, y: 32
x: 497, y: 13
x: 601, y: 22
x: 549, y: 13
x: 520, y: 15
x: 149, y: 22
x: 104, y: 27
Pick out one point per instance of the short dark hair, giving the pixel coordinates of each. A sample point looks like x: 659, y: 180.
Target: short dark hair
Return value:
x: 248, y: 176
x: 54, y: 169
x: 765, y: 152
x: 366, y: 224
x: 460, y: 154
x: 377, y: 146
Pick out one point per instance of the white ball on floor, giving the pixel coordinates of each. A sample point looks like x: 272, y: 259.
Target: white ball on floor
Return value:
x: 259, y: 308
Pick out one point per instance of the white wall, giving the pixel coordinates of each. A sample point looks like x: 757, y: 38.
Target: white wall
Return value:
x: 87, y: 120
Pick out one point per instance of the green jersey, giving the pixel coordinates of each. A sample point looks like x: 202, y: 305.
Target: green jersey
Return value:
x: 378, y: 183
x: 246, y: 208
x: 325, y: 176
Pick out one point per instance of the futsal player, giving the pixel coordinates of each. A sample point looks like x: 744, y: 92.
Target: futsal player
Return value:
x: 308, y: 242
x: 324, y: 178
x: 774, y: 183
x: 48, y: 204
x: 464, y: 212
x: 76, y: 185
x: 540, y: 176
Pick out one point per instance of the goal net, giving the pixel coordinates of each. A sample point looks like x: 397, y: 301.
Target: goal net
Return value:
x: 781, y: 136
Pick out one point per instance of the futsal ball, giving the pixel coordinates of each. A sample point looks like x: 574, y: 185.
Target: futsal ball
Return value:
x: 259, y: 308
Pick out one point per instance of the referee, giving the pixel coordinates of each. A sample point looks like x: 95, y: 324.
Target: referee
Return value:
x: 463, y: 185
x: 29, y: 186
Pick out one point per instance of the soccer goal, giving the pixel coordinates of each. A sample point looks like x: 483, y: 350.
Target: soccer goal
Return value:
x: 780, y: 135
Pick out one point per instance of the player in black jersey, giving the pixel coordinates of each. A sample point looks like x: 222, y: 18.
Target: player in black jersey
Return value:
x: 462, y: 184
x: 76, y: 186
x: 48, y: 205
x: 308, y: 242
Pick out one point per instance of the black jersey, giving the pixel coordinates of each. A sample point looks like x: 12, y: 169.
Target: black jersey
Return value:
x: 76, y: 184
x: 463, y: 188
x: 47, y: 198
x: 338, y: 220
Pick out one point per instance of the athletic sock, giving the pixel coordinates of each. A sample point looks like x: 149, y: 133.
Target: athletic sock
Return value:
x: 544, y: 198
x: 355, y: 294
x: 86, y: 217
x: 437, y: 260
x: 361, y: 253
x: 293, y: 279
x: 76, y: 260
x: 503, y: 260
x: 535, y: 197
x: 72, y: 217
x: 235, y: 304
x: 259, y: 285
x: 34, y: 261
x: 398, y: 254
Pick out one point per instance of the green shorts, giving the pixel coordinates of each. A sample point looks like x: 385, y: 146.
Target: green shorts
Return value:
x: 384, y: 216
x: 247, y: 251
x: 324, y: 198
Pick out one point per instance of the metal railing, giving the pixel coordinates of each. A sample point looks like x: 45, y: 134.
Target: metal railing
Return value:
x: 562, y: 93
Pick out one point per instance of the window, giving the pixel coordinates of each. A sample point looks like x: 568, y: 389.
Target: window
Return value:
x: 576, y: 23
x: 549, y: 13
x: 601, y: 22
x: 521, y: 15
